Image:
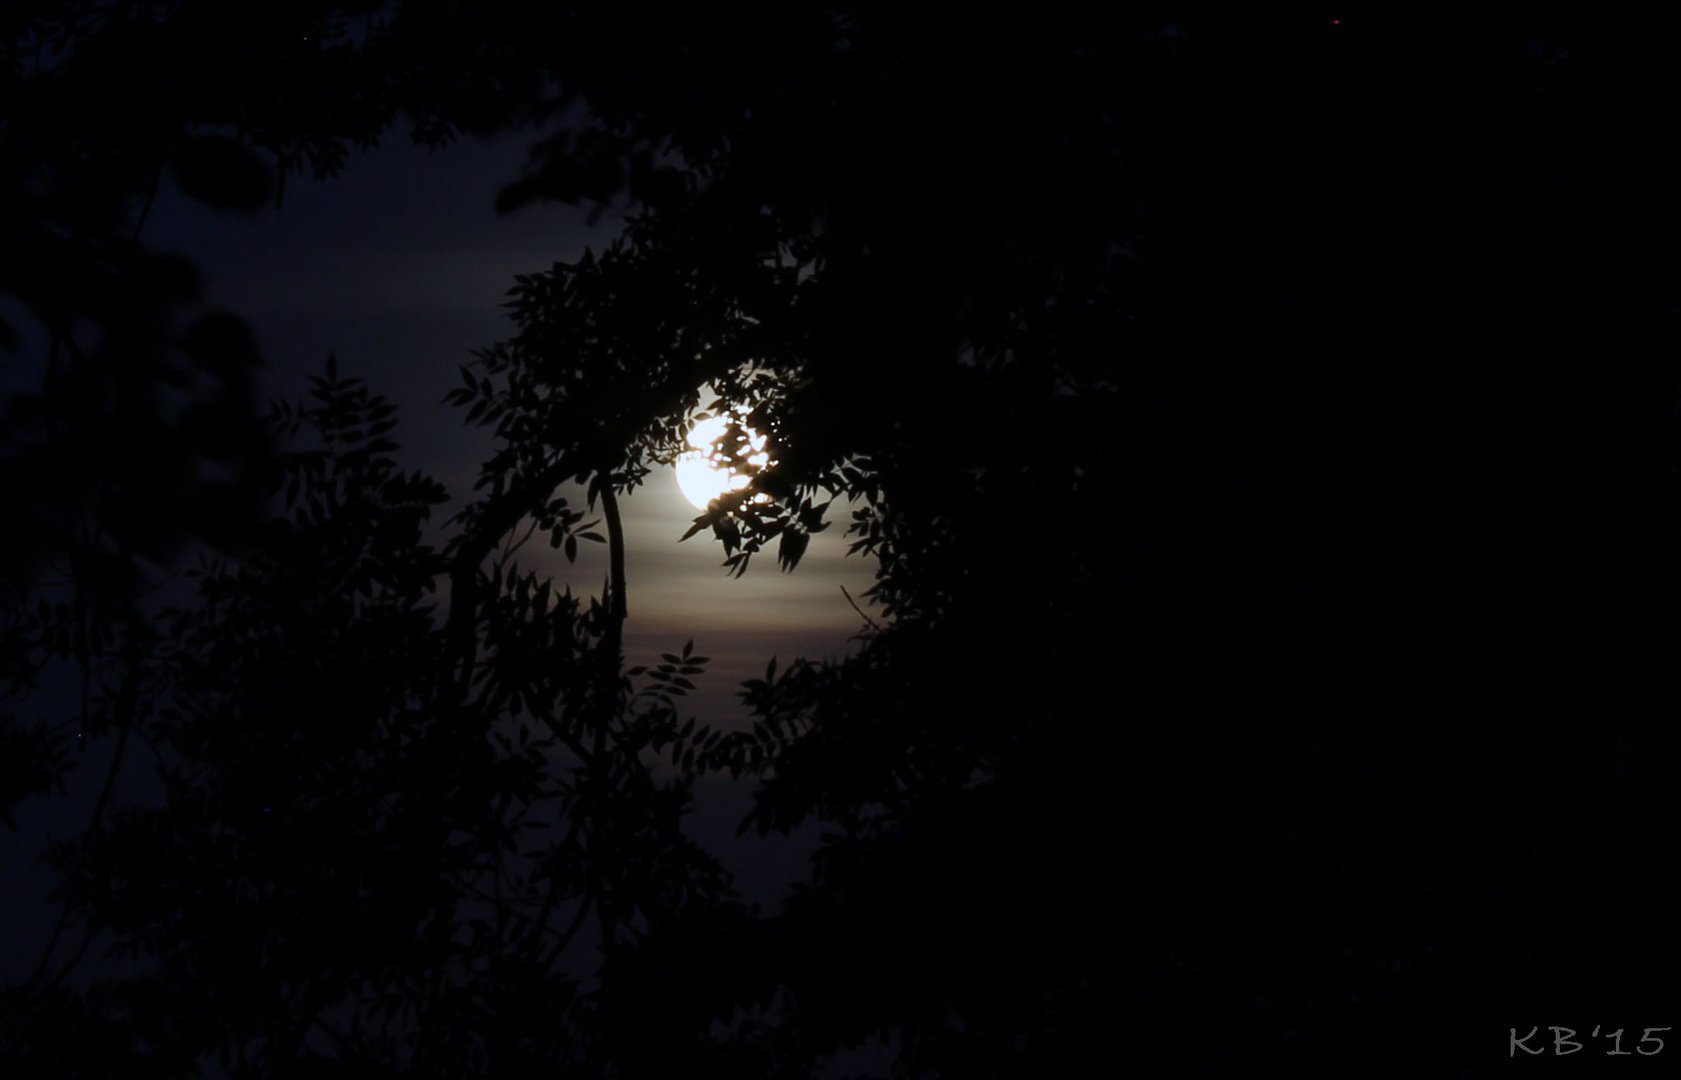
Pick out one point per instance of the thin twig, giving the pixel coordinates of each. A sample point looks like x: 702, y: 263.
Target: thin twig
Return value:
x: 859, y: 610
x: 509, y: 552
x: 151, y: 197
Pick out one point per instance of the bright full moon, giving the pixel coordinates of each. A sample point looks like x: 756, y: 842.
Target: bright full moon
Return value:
x: 702, y: 474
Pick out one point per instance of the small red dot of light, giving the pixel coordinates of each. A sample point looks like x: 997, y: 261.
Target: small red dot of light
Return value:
x: 1336, y: 22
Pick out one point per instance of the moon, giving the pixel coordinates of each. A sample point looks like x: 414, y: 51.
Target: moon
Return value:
x: 703, y: 475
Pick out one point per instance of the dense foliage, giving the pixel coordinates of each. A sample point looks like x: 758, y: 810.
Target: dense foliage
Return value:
x: 1265, y: 433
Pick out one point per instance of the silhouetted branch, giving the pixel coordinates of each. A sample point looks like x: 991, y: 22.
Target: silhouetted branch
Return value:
x: 859, y: 610
x: 500, y: 516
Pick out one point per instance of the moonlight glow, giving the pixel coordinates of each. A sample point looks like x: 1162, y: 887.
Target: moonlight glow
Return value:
x: 702, y: 474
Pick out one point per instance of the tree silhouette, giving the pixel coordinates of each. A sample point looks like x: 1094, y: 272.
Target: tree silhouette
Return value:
x: 340, y: 870
x: 1269, y: 459
x: 1264, y: 430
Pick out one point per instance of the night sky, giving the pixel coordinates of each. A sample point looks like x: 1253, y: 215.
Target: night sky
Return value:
x: 1262, y: 432
x: 398, y: 267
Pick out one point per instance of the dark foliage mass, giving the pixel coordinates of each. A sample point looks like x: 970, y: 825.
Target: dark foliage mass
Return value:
x: 1264, y: 427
